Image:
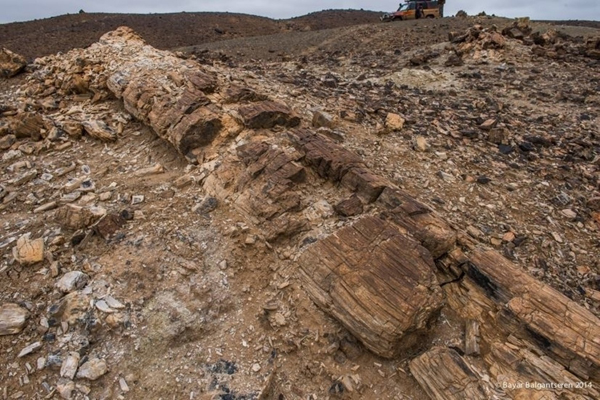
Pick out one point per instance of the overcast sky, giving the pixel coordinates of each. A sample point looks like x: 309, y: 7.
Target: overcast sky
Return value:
x: 24, y: 10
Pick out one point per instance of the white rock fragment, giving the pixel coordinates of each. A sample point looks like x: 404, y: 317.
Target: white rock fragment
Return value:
x: 102, y: 306
x: 70, y: 365
x: 123, y: 384
x: 65, y: 388
x: 30, y: 349
x: 446, y: 176
x: 105, y: 196
x: 155, y: 169
x: 114, y: 303
x: 137, y: 199
x: 71, y: 281
x: 93, y: 369
x: 256, y: 367
x: 570, y: 214
x: 12, y: 319
x: 70, y: 197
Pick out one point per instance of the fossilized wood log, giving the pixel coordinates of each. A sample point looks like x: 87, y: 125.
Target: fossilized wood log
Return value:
x: 560, y: 326
x: 445, y: 375
x: 334, y: 162
x: 161, y: 90
x: 267, y: 186
x: 376, y: 281
x: 515, y: 362
x: 267, y: 114
x: 432, y: 231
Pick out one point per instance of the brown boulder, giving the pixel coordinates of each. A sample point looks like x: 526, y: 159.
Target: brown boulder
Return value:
x: 29, y: 251
x: 11, y: 63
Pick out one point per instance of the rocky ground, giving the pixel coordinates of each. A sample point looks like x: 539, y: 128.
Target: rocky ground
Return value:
x: 139, y: 260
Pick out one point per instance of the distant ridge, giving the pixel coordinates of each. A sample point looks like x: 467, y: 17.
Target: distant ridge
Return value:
x: 59, y: 34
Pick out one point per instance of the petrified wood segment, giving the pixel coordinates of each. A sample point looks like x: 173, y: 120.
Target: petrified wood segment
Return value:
x: 329, y: 159
x: 432, y: 231
x: 334, y: 162
x: 562, y: 327
x: 515, y: 362
x: 240, y: 94
x: 445, y: 375
x: 267, y: 114
x: 376, y: 281
x: 163, y: 91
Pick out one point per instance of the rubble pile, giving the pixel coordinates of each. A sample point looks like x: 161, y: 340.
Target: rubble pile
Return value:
x: 294, y: 230
x: 552, y: 44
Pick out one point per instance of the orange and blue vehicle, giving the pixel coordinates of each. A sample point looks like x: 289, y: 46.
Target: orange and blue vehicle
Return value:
x: 410, y: 10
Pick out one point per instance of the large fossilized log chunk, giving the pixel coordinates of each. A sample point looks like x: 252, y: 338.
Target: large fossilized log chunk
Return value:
x: 376, y: 281
x: 445, y: 375
x: 562, y: 327
x: 161, y: 90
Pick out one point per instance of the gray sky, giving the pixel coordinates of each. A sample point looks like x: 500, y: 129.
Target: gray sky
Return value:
x: 23, y: 10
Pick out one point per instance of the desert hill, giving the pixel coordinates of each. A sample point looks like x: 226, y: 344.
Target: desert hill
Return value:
x: 164, y: 31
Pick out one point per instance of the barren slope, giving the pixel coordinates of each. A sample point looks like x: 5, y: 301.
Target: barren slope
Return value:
x: 164, y: 31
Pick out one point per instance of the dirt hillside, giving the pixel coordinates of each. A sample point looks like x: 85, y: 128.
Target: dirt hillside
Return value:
x: 165, y: 31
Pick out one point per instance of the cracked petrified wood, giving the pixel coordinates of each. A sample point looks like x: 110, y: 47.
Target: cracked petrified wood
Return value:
x: 425, y: 226
x: 560, y: 326
x: 445, y: 375
x: 337, y: 164
x: 377, y: 282
x: 267, y: 114
x: 161, y: 90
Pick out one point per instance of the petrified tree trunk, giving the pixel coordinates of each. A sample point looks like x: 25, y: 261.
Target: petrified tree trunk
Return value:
x: 334, y: 162
x: 445, y: 375
x: 377, y: 282
x: 163, y: 91
x: 169, y: 94
x: 569, y: 332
